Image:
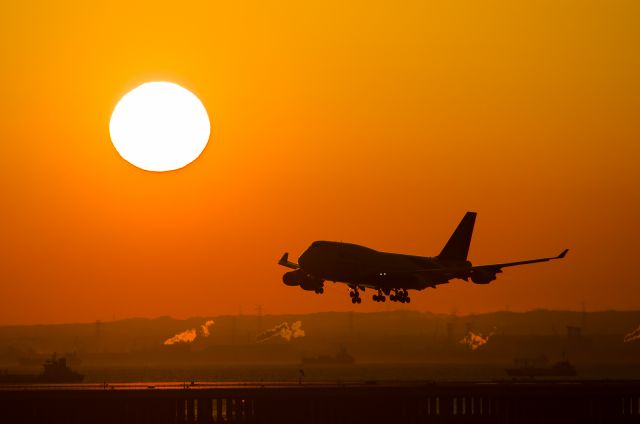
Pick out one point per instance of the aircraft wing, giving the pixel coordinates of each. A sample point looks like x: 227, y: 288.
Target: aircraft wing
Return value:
x: 446, y: 273
x: 530, y: 261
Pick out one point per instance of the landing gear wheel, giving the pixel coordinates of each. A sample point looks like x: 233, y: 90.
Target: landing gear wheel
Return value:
x: 354, y: 293
x: 408, y: 300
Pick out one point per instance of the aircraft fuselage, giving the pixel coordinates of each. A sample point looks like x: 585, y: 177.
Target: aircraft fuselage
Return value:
x: 365, y: 267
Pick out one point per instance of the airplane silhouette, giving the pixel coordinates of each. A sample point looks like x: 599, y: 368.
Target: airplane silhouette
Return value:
x: 391, y: 274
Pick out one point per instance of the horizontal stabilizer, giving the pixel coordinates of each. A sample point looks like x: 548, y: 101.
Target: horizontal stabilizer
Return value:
x: 284, y: 261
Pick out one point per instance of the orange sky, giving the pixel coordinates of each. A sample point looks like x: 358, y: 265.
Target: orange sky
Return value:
x: 372, y: 122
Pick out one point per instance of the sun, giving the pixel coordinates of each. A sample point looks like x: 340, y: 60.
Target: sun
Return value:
x: 159, y: 126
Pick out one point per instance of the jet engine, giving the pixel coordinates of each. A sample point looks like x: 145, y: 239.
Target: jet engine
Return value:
x: 302, y: 279
x: 483, y: 276
x: 311, y: 284
x: 294, y: 278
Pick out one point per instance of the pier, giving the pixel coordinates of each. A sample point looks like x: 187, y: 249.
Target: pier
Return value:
x: 366, y: 403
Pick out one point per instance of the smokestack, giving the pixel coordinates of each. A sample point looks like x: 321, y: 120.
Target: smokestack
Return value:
x: 98, y: 336
x: 233, y: 330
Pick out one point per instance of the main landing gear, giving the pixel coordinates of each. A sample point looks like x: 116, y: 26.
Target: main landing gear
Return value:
x: 355, y: 295
x: 401, y: 296
x: 380, y: 297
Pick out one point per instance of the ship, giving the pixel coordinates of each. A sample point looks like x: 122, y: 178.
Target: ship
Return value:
x: 55, y: 371
x: 538, y: 367
x: 340, y: 358
x: 33, y: 360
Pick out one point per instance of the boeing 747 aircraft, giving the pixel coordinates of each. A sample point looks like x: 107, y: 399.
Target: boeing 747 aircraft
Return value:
x: 391, y: 274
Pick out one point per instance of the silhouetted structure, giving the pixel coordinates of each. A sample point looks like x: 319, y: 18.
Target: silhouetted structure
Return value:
x: 490, y: 402
x: 539, y: 367
x: 55, y: 371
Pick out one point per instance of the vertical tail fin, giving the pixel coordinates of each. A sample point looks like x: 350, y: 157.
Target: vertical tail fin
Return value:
x: 457, y: 247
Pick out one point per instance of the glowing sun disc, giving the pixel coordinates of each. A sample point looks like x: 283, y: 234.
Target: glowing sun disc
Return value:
x: 159, y: 126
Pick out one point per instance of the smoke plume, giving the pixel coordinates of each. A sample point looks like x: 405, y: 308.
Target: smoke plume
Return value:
x: 205, y: 328
x: 475, y: 341
x: 634, y: 335
x: 283, y: 330
x: 189, y: 336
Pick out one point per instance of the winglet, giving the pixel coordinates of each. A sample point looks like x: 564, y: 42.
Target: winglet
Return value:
x: 284, y: 261
x: 563, y: 254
